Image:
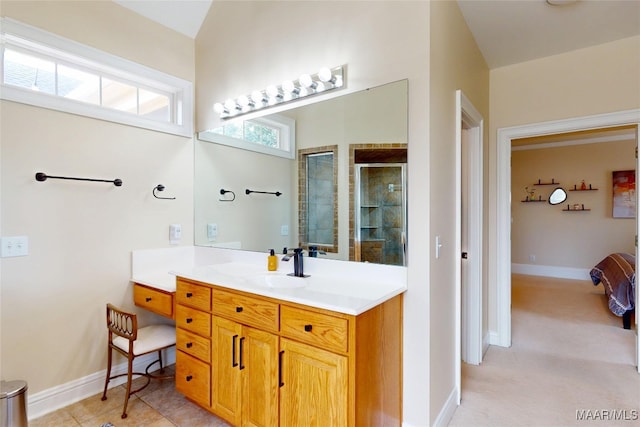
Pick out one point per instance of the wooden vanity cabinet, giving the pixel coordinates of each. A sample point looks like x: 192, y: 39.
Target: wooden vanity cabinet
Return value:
x: 245, y: 359
x: 154, y: 299
x: 245, y: 374
x: 193, y: 341
x: 277, y: 363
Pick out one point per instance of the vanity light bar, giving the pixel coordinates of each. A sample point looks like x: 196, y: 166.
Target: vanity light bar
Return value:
x: 325, y: 80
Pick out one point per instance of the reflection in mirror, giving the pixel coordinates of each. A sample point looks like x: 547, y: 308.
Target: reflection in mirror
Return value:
x: 557, y: 196
x: 317, y: 207
x: 372, y: 118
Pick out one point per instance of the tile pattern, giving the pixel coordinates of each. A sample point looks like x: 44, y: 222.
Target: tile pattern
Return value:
x: 381, y: 196
x: 325, y: 222
x: 158, y: 405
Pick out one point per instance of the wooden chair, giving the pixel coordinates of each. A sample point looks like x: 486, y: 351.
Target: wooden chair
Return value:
x: 131, y: 342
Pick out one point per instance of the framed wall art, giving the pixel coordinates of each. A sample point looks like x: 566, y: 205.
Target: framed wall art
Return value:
x: 624, y: 194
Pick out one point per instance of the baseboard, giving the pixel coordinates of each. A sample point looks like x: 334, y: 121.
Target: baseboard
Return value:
x: 551, y: 271
x: 447, y: 411
x: 57, y: 397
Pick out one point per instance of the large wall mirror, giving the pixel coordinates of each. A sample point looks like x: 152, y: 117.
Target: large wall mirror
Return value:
x: 342, y: 190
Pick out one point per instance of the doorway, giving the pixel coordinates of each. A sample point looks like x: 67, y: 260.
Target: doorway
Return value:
x: 500, y: 267
x: 378, y: 203
x: 470, y: 294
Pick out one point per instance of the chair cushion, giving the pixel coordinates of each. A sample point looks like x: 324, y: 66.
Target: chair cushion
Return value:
x: 150, y: 338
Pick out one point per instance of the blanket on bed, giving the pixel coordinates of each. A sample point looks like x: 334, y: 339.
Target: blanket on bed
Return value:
x: 618, y: 276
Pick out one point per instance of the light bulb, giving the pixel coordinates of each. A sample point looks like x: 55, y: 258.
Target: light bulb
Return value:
x: 289, y: 87
x: 230, y: 105
x: 257, y: 97
x: 320, y: 87
x: 218, y: 108
x: 306, y: 80
x: 273, y: 92
x: 325, y: 75
x: 244, y: 101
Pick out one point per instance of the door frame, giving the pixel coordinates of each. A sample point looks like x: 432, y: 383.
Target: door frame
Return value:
x: 500, y: 266
x: 469, y: 117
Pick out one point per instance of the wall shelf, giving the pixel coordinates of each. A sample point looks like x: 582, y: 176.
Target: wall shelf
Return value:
x: 574, y: 209
x: 527, y: 200
x: 553, y: 182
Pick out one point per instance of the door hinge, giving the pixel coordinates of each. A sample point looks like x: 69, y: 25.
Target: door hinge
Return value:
x: 636, y: 152
x: 636, y: 240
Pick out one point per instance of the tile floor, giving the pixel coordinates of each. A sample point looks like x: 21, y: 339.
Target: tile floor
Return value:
x: 158, y: 405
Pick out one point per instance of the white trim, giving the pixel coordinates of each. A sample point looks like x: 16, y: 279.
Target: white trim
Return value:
x: 57, y: 397
x: 582, y: 141
x: 501, y: 258
x: 447, y: 411
x: 551, y: 271
x: 471, y: 330
x: 287, y: 128
x: 180, y: 91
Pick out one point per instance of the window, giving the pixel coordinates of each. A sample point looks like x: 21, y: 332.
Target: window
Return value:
x: 42, y: 69
x: 272, y: 134
x: 318, y: 207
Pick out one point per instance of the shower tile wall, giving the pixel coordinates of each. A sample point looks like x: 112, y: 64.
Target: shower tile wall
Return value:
x: 381, y: 214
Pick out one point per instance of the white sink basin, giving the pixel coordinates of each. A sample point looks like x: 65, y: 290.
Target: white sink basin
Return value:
x: 278, y: 281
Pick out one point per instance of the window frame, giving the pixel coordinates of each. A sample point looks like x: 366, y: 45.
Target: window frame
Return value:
x: 42, y: 44
x: 303, y: 213
x: 286, y: 125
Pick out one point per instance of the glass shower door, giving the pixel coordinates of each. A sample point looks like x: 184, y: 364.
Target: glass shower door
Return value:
x: 380, y: 213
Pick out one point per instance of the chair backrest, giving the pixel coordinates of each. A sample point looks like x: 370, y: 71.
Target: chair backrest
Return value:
x: 122, y: 323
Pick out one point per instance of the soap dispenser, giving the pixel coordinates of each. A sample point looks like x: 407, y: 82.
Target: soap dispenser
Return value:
x: 272, y: 261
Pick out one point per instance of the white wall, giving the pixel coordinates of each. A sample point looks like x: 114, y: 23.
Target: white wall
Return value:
x: 81, y: 234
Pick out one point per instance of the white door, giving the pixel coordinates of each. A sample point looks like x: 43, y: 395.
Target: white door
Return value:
x: 469, y: 187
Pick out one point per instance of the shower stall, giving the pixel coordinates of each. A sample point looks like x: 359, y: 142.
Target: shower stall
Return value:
x: 380, y: 213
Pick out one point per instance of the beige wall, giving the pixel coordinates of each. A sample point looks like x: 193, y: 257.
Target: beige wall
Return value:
x: 577, y: 240
x: 371, y: 37
x: 456, y: 63
x: 584, y: 82
x: 81, y: 234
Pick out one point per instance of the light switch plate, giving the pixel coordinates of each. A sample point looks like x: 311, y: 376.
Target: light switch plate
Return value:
x: 175, y: 233
x: 212, y: 232
x: 14, y: 246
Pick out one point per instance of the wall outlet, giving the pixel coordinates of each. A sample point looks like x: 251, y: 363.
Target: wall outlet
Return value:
x: 212, y: 232
x: 532, y: 258
x: 175, y: 233
x: 284, y: 230
x: 14, y: 246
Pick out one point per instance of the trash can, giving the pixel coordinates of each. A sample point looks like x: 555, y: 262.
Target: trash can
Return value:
x: 13, y: 404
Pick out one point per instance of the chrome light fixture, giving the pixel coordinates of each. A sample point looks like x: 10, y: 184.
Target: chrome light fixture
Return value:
x: 307, y: 84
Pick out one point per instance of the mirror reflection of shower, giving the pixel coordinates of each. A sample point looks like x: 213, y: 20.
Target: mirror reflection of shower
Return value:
x: 380, y: 213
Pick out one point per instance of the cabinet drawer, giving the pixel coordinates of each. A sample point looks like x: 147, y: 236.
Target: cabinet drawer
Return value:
x: 193, y: 320
x: 321, y: 330
x: 193, y: 295
x: 154, y: 300
x: 193, y: 378
x: 193, y: 344
x: 246, y: 310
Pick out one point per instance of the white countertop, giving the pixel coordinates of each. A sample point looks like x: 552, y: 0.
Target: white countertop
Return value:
x: 344, y: 287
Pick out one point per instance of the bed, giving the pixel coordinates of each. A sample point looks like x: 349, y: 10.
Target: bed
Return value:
x: 618, y: 276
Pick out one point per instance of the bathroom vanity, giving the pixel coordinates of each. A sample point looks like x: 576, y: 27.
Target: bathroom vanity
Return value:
x: 267, y: 349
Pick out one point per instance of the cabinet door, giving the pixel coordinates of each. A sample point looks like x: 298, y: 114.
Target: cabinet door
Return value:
x: 193, y: 378
x: 225, y: 372
x: 313, y: 391
x: 259, y: 367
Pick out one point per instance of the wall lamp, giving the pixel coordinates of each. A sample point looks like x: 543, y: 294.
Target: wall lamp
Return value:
x: 307, y: 84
